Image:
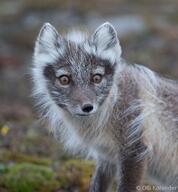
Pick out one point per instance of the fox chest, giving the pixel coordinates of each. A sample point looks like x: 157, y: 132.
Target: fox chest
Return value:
x: 104, y: 148
x: 94, y: 145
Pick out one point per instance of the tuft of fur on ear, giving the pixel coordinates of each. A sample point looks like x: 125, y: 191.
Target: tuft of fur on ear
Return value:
x: 105, y: 41
x: 48, y: 41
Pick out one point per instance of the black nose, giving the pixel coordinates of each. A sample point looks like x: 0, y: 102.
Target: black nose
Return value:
x: 87, y: 108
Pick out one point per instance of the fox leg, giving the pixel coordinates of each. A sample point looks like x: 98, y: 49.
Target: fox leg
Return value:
x: 133, y: 170
x: 132, y: 176
x: 104, y: 174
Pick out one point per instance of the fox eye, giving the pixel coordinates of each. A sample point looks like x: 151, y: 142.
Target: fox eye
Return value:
x: 97, y: 78
x: 64, y: 80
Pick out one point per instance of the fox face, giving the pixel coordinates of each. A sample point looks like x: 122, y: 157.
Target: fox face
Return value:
x: 76, y: 72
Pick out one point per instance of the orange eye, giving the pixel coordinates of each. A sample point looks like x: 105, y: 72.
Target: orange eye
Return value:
x: 97, y: 78
x: 64, y: 80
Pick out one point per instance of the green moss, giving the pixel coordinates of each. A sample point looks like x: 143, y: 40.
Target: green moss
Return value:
x: 26, y: 177
x: 6, y: 156
x: 3, y: 168
x: 75, y: 173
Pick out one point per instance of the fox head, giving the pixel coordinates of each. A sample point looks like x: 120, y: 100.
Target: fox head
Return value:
x: 75, y: 73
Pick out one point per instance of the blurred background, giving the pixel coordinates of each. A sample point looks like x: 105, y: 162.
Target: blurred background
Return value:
x: 30, y: 158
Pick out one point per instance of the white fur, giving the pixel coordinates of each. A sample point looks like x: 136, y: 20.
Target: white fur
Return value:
x: 76, y: 36
x: 99, y: 70
x: 46, y: 50
x: 61, y: 121
x: 103, y: 38
x: 97, y: 140
x: 157, y: 135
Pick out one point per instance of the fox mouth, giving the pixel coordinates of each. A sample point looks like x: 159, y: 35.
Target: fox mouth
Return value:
x: 83, y: 114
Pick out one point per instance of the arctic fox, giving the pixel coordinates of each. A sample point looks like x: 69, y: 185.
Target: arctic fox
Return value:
x: 124, y: 116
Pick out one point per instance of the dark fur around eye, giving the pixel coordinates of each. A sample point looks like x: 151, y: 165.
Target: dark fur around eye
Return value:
x: 49, y: 72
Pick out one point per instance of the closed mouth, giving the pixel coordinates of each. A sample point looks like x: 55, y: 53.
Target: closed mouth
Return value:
x: 82, y: 114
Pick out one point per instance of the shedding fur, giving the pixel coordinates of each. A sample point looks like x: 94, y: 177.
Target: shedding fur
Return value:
x: 133, y: 121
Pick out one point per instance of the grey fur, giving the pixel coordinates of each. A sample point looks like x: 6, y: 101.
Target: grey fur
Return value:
x: 134, y: 123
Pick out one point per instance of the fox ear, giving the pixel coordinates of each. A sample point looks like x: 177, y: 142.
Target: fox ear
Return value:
x: 48, y: 40
x: 105, y: 39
